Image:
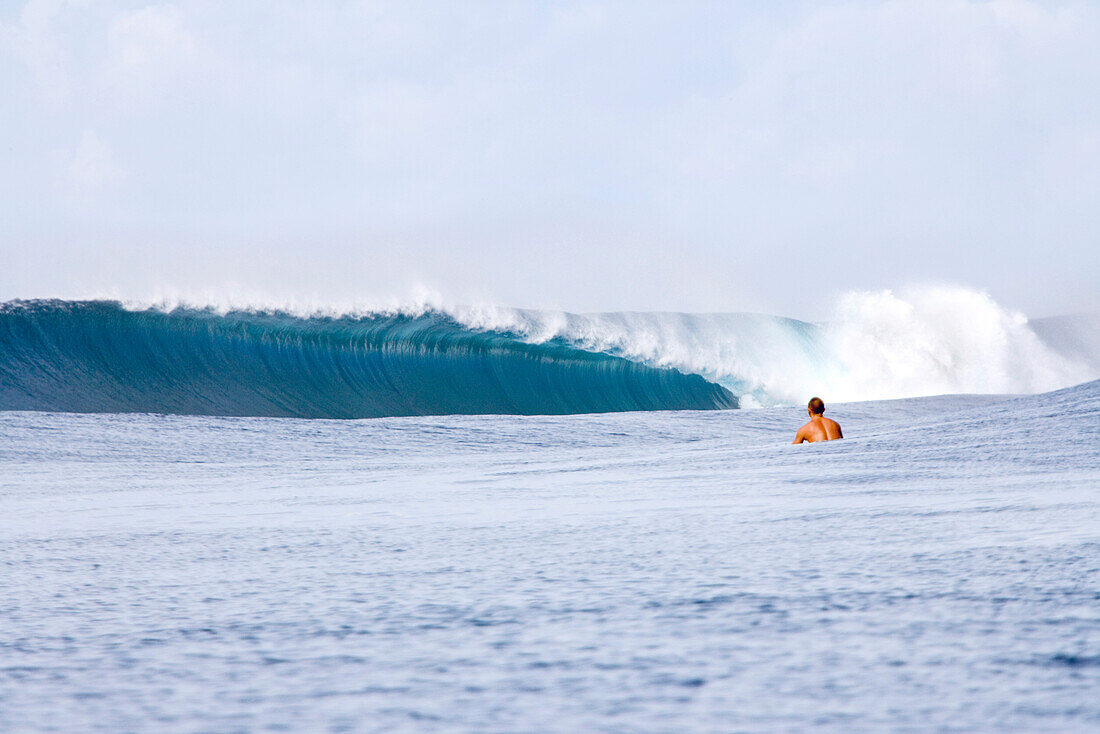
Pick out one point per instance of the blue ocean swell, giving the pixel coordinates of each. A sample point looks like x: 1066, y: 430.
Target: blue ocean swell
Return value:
x: 97, y: 356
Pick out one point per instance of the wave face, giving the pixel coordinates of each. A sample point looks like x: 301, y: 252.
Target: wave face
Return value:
x: 97, y: 356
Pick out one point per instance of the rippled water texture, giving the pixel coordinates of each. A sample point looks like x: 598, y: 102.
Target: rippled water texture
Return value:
x: 651, y: 572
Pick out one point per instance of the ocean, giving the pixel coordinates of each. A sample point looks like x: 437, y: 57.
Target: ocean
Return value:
x: 232, y: 520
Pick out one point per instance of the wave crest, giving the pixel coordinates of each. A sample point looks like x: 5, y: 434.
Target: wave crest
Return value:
x: 421, y: 357
x: 98, y: 356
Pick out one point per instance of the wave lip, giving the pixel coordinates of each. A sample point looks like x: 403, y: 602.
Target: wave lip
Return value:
x: 97, y: 356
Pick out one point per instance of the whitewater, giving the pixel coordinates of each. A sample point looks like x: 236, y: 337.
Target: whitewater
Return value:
x: 440, y: 518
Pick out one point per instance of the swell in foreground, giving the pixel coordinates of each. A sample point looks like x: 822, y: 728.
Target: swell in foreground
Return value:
x: 624, y: 572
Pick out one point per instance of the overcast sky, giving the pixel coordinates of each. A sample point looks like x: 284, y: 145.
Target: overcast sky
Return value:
x: 589, y: 156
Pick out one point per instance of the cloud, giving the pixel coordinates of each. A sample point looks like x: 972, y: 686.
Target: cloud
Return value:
x: 575, y: 154
x: 148, y: 48
x: 91, y: 164
x: 152, y: 36
x: 35, y: 40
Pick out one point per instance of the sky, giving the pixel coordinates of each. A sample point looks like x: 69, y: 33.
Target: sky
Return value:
x: 682, y: 156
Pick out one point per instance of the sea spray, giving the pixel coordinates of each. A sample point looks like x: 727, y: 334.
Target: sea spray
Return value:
x: 876, y: 345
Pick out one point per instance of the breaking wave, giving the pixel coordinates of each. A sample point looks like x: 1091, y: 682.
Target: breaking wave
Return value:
x: 103, y: 356
x: 97, y: 356
x: 877, y: 345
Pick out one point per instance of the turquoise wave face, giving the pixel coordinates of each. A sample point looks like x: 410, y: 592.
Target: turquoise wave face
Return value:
x: 96, y: 356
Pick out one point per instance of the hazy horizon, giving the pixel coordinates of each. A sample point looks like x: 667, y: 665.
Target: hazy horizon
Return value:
x: 694, y: 157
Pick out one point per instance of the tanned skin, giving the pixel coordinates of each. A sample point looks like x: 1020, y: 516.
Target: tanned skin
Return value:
x: 819, y: 428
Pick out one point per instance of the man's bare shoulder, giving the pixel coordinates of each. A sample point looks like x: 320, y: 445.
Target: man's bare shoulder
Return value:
x: 808, y: 433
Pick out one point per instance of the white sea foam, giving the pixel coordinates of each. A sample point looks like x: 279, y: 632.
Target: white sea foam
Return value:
x: 939, y: 340
x: 877, y: 345
x: 419, y: 301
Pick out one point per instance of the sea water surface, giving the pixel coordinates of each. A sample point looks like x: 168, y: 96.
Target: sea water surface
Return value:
x: 937, y: 570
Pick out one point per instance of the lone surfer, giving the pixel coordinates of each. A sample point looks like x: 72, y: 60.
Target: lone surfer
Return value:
x: 819, y: 428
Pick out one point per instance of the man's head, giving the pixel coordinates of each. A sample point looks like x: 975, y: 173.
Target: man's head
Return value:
x: 816, y: 406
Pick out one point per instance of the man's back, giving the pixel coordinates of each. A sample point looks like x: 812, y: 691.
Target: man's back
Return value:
x: 819, y: 428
